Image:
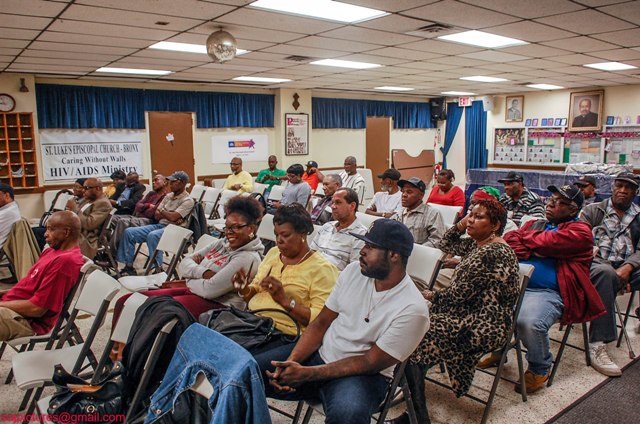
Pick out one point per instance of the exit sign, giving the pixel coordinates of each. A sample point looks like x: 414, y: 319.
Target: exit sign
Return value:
x: 464, y: 101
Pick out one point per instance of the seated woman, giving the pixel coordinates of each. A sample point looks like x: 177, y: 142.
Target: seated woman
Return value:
x: 445, y: 193
x: 473, y: 315
x: 292, y: 278
x: 208, y: 272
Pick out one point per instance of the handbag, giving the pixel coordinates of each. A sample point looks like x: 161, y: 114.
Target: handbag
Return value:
x: 76, y: 397
x: 249, y: 330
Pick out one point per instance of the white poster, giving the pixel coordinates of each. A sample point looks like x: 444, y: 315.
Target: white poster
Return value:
x: 72, y: 154
x: 249, y: 148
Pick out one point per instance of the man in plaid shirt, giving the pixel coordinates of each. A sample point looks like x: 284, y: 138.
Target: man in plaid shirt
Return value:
x: 518, y: 200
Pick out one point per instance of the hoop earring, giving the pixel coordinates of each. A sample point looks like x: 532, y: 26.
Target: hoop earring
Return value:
x: 252, y: 235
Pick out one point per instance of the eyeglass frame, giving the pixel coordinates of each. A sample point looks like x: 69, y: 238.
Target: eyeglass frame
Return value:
x: 234, y: 228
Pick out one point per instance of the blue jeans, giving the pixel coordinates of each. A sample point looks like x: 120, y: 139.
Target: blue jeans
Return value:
x: 149, y: 233
x: 349, y: 399
x: 540, y: 309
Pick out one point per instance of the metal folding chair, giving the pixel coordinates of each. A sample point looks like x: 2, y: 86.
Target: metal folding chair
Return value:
x: 424, y: 264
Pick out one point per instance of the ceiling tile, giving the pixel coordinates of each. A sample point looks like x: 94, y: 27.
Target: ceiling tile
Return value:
x: 51, y: 68
x: 573, y: 59
x: 627, y: 38
x: 19, y: 34
x: 67, y: 47
x: 362, y: 57
x: 536, y: 50
x: 455, y: 13
x: 314, y: 53
x: 629, y: 11
x: 441, y: 47
x: 93, y: 64
x: 574, y: 22
x: 504, y: 67
x: 529, y: 31
x: 277, y: 21
x: 33, y: 7
x: 97, y: 40
x: 617, y: 54
x: 459, y: 61
x: 75, y: 55
x: 528, y: 9
x: 580, y: 44
x: 23, y: 22
x: 250, y: 33
x: 575, y: 70
x: 170, y: 8
x: 108, y: 30
x: 9, y: 51
x: 536, y: 64
x: 367, y: 35
x: 403, y: 53
x: 395, y: 23
x: 340, y: 45
x: 494, y: 56
x: 17, y: 44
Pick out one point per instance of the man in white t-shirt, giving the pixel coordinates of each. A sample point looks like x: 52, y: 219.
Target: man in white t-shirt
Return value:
x: 9, y: 212
x: 373, y: 319
x: 351, y: 178
x: 387, y: 202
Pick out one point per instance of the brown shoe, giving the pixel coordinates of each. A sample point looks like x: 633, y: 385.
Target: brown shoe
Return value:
x: 532, y: 382
x: 491, y: 360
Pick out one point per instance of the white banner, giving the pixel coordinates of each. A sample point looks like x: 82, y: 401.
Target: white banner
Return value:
x: 72, y: 154
x: 249, y: 148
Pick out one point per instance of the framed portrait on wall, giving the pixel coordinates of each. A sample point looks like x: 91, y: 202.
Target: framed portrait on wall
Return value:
x: 585, y: 110
x: 296, y: 127
x: 514, y: 109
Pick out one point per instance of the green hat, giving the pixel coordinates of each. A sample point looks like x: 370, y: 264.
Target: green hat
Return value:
x: 491, y: 191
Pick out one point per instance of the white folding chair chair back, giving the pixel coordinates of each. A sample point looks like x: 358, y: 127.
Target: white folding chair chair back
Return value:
x: 61, y: 201
x: 276, y: 193
x: 266, y: 228
x: 449, y: 213
x: 225, y: 196
x: 125, y: 322
x: 368, y: 184
x: 210, y: 198
x: 424, y: 264
x: 172, y: 238
x: 259, y: 188
x: 99, y: 286
x: 366, y: 219
x: 203, y: 241
x: 197, y: 192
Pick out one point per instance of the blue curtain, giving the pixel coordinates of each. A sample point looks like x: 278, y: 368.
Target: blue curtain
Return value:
x: 348, y: 113
x: 68, y: 106
x: 454, y: 114
x: 476, y: 135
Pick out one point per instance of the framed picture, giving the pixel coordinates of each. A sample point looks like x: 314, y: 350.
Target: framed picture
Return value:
x: 585, y: 110
x: 296, y: 130
x: 610, y: 120
x: 534, y: 122
x: 544, y: 122
x: 527, y: 123
x: 514, y: 109
x: 563, y: 122
x: 556, y: 122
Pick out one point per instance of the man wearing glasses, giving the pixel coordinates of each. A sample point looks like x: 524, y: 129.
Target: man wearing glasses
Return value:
x: 615, y: 267
x: 560, y: 248
x: 587, y: 185
x: 92, y: 213
x: 239, y: 180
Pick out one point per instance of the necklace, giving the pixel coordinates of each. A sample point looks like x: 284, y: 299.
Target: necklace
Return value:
x: 371, y: 308
x: 306, y: 255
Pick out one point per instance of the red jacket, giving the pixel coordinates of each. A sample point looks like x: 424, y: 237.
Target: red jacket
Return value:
x: 572, y: 247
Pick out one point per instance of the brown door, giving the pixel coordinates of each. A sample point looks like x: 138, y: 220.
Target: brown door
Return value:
x: 377, y: 145
x: 171, y: 143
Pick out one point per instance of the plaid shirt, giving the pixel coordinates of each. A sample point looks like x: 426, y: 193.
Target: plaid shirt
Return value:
x: 613, y: 237
x: 425, y: 223
x: 528, y: 204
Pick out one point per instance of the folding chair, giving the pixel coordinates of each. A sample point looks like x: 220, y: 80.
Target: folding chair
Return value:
x: 449, y: 213
x: 107, y: 261
x: 397, y: 387
x: 218, y: 212
x: 266, y: 228
x: 210, y: 200
x: 259, y: 188
x: 5, y: 262
x: 197, y: 192
x: 366, y: 219
x: 626, y: 314
x: 33, y: 370
x: 276, y: 193
x: 54, y: 200
x: 424, y: 264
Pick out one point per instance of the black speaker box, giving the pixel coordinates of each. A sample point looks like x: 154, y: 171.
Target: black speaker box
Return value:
x: 438, y: 111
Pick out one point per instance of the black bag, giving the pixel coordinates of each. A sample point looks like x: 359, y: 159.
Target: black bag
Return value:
x: 249, y: 330
x: 75, y: 396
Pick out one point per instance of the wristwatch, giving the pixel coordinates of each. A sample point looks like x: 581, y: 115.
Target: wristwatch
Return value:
x: 292, y: 304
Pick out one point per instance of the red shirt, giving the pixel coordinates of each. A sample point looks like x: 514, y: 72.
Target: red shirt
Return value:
x: 312, y: 180
x: 47, y: 284
x: 454, y: 197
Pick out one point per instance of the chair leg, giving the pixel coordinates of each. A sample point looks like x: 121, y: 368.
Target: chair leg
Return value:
x: 307, y: 415
x: 494, y: 386
x: 556, y: 363
x: 624, y: 322
x: 298, y: 413
x: 25, y: 400
x: 585, y: 340
x: 10, y: 375
x: 408, y: 400
x: 523, y: 389
x: 3, y: 346
x: 624, y: 333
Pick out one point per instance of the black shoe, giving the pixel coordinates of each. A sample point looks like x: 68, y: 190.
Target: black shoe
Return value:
x: 402, y: 419
x: 128, y: 270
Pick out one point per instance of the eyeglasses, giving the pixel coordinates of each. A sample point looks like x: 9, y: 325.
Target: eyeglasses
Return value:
x: 89, y: 187
x: 234, y: 228
x: 552, y: 201
x: 234, y: 164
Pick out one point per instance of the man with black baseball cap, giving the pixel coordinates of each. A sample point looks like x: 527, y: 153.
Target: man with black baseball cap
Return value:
x: 615, y: 224
x: 518, y: 200
x: 312, y: 176
x: 560, y: 248
x: 424, y: 222
x: 373, y: 319
x: 387, y: 202
x: 587, y: 185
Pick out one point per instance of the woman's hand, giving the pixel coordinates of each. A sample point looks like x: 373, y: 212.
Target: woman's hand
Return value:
x: 428, y: 295
x: 240, y: 280
x: 274, y: 287
x: 462, y: 224
x: 197, y: 258
x: 450, y: 262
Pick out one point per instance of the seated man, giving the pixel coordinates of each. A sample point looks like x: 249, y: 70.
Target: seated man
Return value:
x: 560, y: 248
x: 587, y: 184
x: 271, y: 176
x: 127, y: 194
x: 93, y: 212
x: 117, y: 177
x: 615, y: 224
x: 387, y: 202
x: 297, y: 191
x: 347, y: 354
x: 351, y: 178
x: 424, y: 222
x: 9, y: 212
x: 239, y: 180
x: 321, y: 212
x: 518, y: 200
x: 312, y: 176
x: 174, y: 209
x: 32, y: 306
x: 333, y: 239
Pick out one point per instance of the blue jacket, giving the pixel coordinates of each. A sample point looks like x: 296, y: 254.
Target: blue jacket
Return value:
x: 238, y: 390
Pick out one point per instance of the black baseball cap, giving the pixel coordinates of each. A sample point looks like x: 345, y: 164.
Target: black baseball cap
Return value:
x: 585, y: 180
x: 414, y: 181
x: 312, y: 164
x: 569, y: 192
x: 511, y: 176
x: 391, y: 173
x: 389, y: 234
x: 629, y: 177
x: 179, y: 175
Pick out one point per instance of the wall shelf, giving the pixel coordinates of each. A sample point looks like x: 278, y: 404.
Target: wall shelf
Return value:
x: 18, y: 162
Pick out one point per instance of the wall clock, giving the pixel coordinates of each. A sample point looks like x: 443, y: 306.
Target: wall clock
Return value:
x: 7, y: 103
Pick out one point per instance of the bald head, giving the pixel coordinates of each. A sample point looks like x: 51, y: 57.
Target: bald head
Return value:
x: 93, y: 189
x: 63, y: 230
x: 236, y: 165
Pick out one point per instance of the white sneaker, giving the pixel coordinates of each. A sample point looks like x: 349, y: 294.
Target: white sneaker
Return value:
x: 601, y: 362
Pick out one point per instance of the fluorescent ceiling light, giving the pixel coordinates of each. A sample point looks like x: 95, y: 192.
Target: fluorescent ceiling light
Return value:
x: 458, y: 93
x: 321, y: 9
x: 389, y: 88
x: 610, y: 66
x: 261, y: 79
x: 133, y: 71
x: 186, y: 47
x: 482, y: 39
x: 545, y: 86
x: 481, y: 78
x: 345, y: 64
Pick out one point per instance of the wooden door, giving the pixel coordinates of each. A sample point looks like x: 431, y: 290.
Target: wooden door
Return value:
x: 171, y: 143
x: 377, y: 147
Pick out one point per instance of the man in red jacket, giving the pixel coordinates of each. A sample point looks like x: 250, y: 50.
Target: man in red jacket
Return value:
x: 560, y: 248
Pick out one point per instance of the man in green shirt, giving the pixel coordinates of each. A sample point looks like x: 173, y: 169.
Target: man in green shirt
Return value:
x: 271, y: 176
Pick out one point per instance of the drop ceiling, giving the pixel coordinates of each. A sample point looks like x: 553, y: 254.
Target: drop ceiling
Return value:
x: 73, y: 38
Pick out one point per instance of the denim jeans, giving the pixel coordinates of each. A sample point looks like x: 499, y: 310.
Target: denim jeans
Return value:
x: 149, y: 233
x: 540, y: 309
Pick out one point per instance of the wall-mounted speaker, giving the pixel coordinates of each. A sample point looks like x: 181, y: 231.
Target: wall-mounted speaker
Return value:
x: 438, y: 109
x: 488, y: 103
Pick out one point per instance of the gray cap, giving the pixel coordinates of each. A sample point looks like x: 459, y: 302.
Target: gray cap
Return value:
x: 179, y: 175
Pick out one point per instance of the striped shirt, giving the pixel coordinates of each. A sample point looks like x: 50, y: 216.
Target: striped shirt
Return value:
x: 355, y: 181
x: 338, y: 246
x: 528, y: 204
x: 425, y: 223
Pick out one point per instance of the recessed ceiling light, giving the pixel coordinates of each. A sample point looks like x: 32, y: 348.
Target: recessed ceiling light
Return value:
x: 186, y: 47
x: 458, y: 93
x: 482, y: 39
x: 390, y: 88
x: 610, y: 66
x: 322, y: 9
x: 481, y: 78
x: 261, y: 79
x: 545, y: 86
x: 345, y: 64
x: 133, y: 71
